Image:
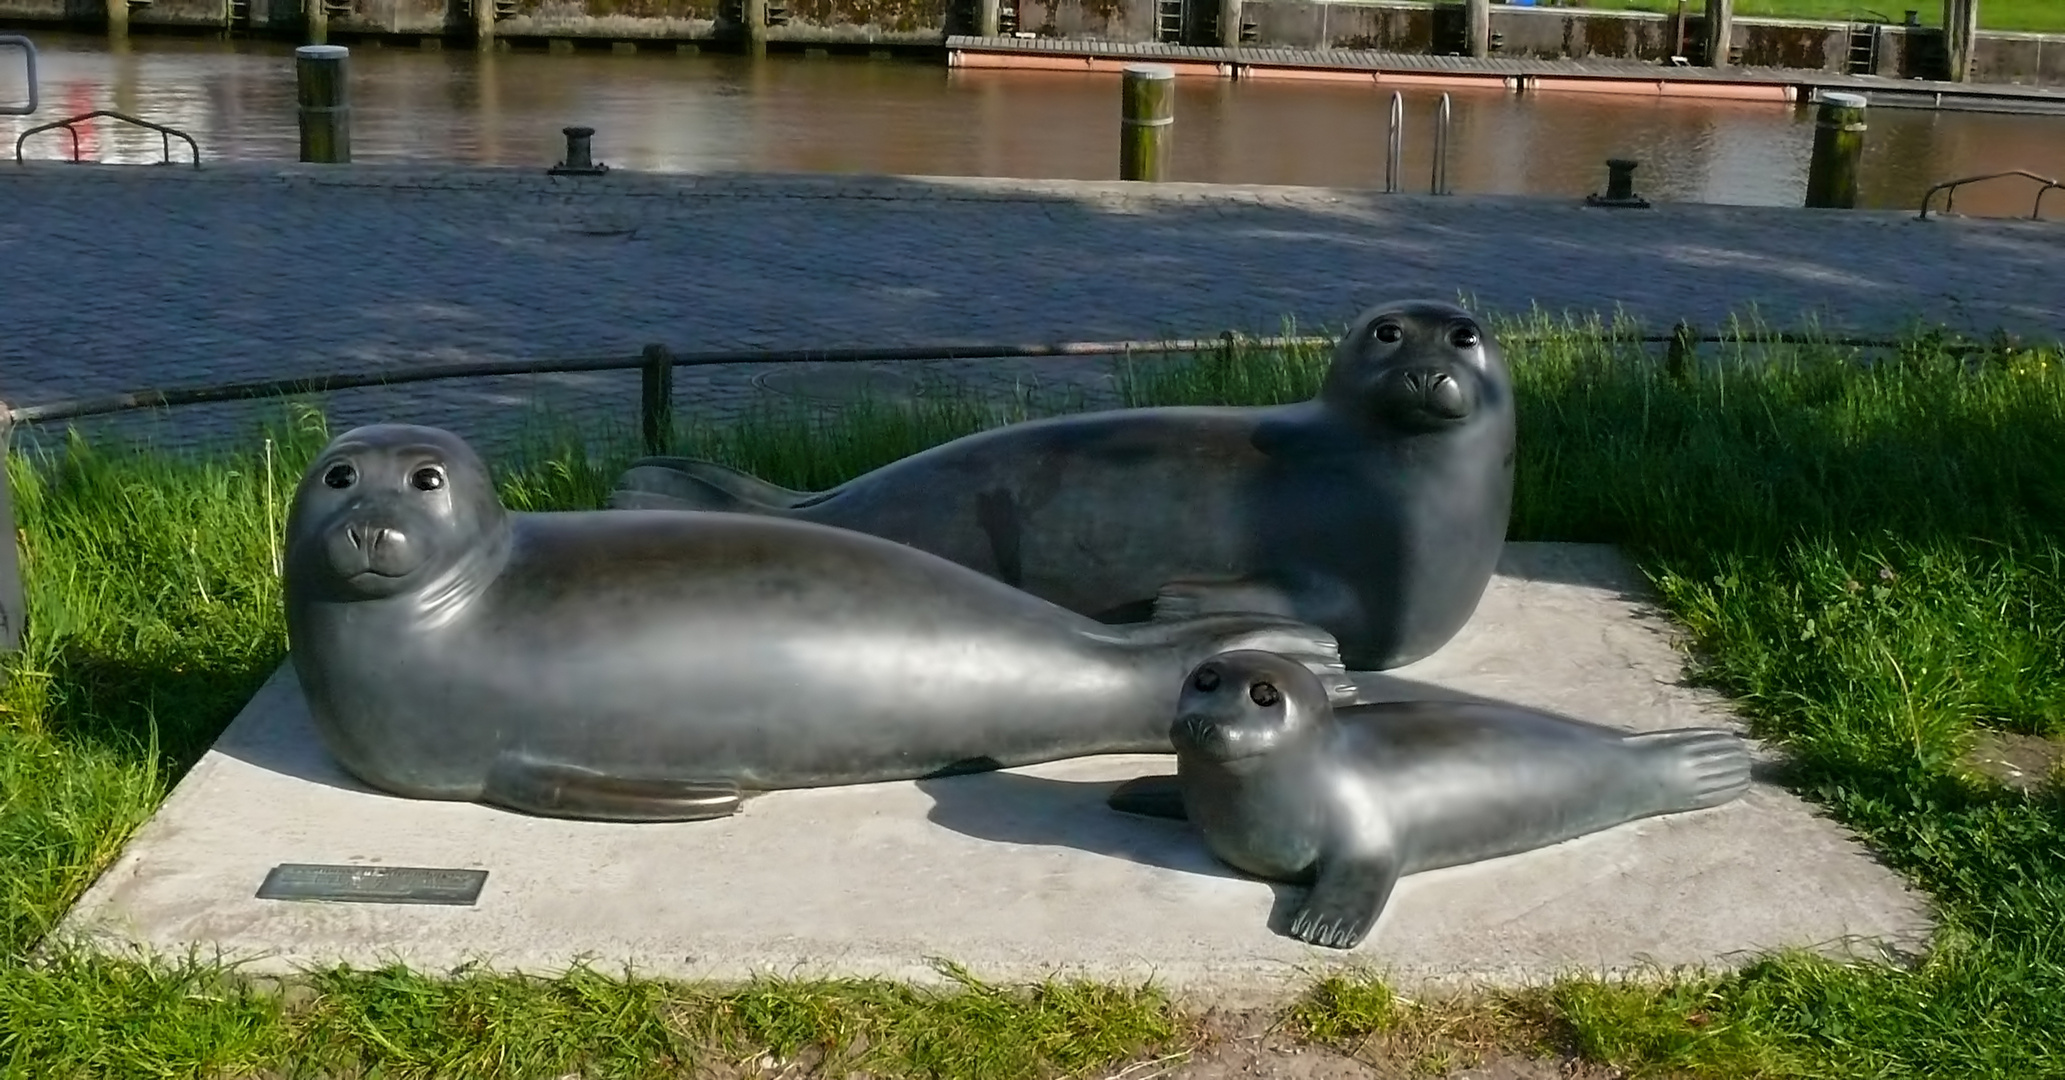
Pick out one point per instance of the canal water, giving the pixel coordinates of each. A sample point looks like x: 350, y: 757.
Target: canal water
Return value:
x: 662, y: 112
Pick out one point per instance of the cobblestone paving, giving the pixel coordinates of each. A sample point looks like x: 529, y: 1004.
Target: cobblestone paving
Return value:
x: 121, y: 277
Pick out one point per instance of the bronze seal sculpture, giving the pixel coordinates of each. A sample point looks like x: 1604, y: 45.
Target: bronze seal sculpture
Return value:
x: 1288, y: 788
x: 1377, y: 510
x: 657, y: 666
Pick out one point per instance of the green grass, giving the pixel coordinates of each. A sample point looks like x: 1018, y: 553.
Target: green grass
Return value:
x: 2045, y: 16
x: 1867, y: 558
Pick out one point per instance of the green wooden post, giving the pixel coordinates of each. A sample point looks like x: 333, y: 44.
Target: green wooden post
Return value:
x: 484, y: 24
x: 656, y: 399
x: 13, y: 608
x: 325, y: 106
x: 1838, y: 146
x: 988, y: 18
x: 118, y: 18
x: 315, y: 21
x: 1147, y: 111
x: 1720, y: 31
x: 1477, y: 14
x: 1681, y: 359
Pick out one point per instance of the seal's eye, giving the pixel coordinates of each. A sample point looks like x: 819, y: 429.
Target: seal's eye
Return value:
x: 1463, y: 337
x: 1389, y: 332
x: 1264, y: 694
x: 427, y: 478
x: 1206, y: 680
x: 341, y: 475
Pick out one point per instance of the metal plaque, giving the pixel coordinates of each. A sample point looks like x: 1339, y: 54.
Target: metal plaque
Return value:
x: 373, y: 884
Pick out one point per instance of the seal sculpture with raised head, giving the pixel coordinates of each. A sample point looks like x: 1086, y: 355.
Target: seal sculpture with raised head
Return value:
x: 1287, y: 787
x: 657, y: 666
x: 1376, y: 510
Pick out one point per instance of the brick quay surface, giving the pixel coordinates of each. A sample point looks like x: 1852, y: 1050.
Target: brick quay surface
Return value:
x: 127, y: 277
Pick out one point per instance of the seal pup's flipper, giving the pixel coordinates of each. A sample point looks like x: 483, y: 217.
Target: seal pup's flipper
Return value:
x: 1150, y: 796
x: 1701, y: 767
x: 1207, y: 635
x: 680, y: 483
x: 567, y: 791
x: 1348, y: 894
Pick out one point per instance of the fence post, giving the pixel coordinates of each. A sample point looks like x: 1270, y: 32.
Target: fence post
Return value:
x: 656, y: 399
x: 13, y: 608
x: 325, y: 103
x: 1838, y: 147
x: 1148, y: 109
x: 1683, y: 357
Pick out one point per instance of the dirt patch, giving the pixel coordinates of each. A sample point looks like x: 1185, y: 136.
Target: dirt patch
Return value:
x: 1239, y: 1046
x: 2022, y: 762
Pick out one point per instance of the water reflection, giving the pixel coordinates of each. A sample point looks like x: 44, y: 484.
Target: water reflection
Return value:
x: 659, y: 111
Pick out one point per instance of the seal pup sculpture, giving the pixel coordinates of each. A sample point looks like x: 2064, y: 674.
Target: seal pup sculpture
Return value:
x: 656, y: 666
x: 1376, y: 510
x: 1285, y: 787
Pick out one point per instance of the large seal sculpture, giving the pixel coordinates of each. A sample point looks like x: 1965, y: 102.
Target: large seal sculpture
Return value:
x: 1286, y: 787
x: 1376, y: 510
x: 658, y: 666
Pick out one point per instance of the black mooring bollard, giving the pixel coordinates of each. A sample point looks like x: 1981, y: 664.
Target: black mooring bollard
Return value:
x: 580, y: 161
x: 1620, y: 186
x: 656, y: 399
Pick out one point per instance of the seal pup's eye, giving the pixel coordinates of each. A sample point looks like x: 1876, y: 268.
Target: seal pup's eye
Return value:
x: 1264, y: 694
x: 340, y: 475
x: 1206, y: 680
x: 1390, y: 333
x: 427, y: 478
x: 1463, y: 337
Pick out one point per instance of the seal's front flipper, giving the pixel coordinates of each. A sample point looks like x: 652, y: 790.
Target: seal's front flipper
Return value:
x: 567, y: 791
x: 1150, y: 796
x: 1348, y: 894
x: 1698, y: 767
x: 1187, y: 598
x: 679, y: 483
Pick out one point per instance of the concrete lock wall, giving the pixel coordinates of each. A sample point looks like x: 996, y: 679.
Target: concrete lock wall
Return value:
x: 1531, y: 32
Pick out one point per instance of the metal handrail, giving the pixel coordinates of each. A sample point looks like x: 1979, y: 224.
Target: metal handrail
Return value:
x: 1439, y: 184
x: 1395, y: 144
x: 28, y: 49
x: 1951, y: 186
x: 68, y: 121
x: 315, y: 384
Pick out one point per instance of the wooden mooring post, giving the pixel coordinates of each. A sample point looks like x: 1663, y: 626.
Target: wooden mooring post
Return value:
x: 1229, y: 24
x: 1720, y: 31
x: 1960, y: 27
x: 753, y: 14
x: 1838, y: 147
x: 483, y: 23
x: 321, y: 88
x: 1477, y: 13
x: 315, y: 21
x: 988, y: 16
x: 118, y: 18
x: 1147, y: 112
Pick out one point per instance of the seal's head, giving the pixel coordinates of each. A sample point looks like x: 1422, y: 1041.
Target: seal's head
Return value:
x: 1244, y: 704
x: 1418, y: 366
x: 386, y: 508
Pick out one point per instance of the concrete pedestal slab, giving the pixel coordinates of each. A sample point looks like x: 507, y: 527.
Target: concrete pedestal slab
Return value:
x: 1018, y: 875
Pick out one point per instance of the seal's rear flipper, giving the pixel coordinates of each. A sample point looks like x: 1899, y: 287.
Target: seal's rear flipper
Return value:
x: 1150, y: 796
x: 567, y: 791
x: 679, y: 483
x: 1699, y: 767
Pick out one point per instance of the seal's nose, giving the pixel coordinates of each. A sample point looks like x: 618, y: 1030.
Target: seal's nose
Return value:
x: 1438, y: 392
